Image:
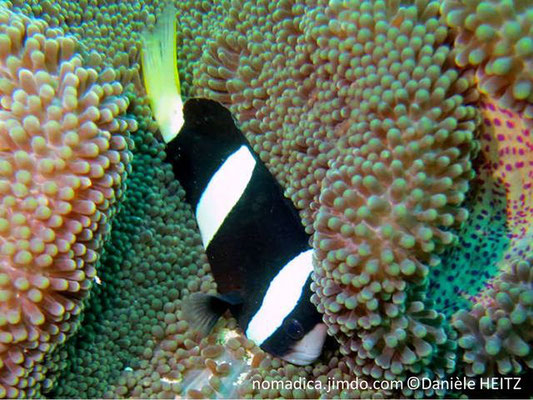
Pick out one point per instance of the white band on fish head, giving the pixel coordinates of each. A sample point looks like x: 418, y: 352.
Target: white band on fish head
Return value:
x: 223, y: 191
x: 308, y: 349
x: 281, y: 297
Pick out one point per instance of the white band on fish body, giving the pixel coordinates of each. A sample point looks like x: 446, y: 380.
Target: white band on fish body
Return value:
x: 281, y: 297
x: 223, y: 191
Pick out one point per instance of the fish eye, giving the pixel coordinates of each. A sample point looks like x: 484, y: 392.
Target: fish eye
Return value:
x: 294, y: 329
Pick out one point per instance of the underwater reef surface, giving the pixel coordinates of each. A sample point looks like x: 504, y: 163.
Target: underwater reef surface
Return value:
x: 401, y: 130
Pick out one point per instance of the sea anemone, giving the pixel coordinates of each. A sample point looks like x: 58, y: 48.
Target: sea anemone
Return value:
x: 63, y: 163
x: 370, y: 114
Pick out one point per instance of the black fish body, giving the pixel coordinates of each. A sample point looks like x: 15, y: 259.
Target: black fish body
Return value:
x: 257, y: 247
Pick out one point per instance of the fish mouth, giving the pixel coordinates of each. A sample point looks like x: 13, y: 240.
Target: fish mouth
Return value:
x: 309, y: 348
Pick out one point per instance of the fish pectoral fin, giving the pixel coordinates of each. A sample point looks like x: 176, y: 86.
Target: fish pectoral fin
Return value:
x: 202, y: 311
x: 233, y: 298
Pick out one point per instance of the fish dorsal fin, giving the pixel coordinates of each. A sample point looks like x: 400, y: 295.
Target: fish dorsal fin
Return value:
x: 160, y: 74
x: 202, y: 311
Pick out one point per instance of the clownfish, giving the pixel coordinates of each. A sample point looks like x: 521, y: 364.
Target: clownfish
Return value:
x: 256, y: 245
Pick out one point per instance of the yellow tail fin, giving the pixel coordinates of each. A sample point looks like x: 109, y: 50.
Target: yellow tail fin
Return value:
x: 160, y: 73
